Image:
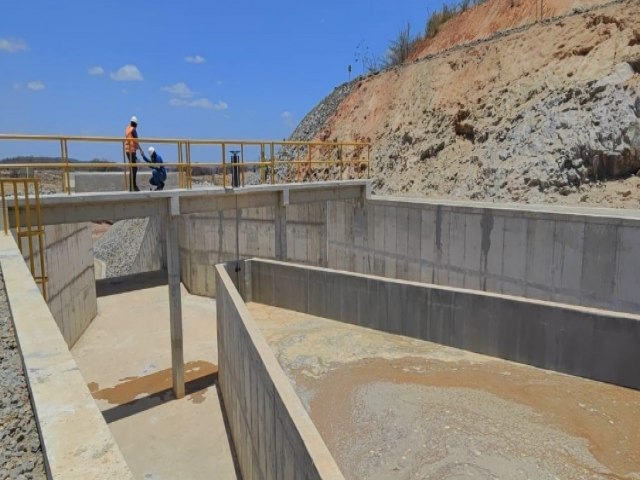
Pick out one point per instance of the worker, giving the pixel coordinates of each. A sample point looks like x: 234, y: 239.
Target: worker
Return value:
x: 131, y: 147
x: 158, y: 174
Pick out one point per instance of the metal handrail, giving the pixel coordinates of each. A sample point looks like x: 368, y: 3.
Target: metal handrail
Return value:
x: 315, y: 154
x: 12, y: 189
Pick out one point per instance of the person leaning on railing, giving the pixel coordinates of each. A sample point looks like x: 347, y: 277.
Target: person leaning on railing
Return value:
x: 131, y: 147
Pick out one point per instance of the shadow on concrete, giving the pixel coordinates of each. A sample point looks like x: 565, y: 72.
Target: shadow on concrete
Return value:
x: 129, y: 283
x: 193, y: 388
x: 152, y: 400
x: 227, y: 428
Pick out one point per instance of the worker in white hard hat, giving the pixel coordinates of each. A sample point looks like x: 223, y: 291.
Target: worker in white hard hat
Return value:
x: 130, y: 148
x: 158, y: 174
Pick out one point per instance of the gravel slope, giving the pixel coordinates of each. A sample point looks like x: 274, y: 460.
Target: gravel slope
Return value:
x: 118, y: 247
x: 20, y: 453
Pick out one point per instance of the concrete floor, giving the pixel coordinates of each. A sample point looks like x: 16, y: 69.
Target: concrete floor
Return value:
x: 125, y: 359
x: 393, y: 407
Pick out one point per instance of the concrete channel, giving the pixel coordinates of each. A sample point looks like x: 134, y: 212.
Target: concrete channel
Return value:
x: 388, y: 404
x: 273, y: 332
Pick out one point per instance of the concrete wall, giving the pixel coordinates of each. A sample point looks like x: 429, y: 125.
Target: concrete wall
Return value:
x: 115, y: 181
x: 76, y: 441
x: 272, y: 433
x: 578, y: 256
x: 590, y: 343
x: 208, y: 239
x: 71, y: 289
x: 587, y: 257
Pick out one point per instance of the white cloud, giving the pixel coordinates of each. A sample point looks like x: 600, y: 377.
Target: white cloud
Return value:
x: 35, y: 85
x: 97, y: 70
x: 128, y: 73
x: 198, y: 103
x: 220, y: 105
x: 287, y: 118
x: 179, y: 89
x: 12, y: 45
x: 195, y: 59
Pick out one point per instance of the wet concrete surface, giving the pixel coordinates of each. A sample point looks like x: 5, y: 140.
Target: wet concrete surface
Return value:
x: 393, y: 407
x: 125, y: 358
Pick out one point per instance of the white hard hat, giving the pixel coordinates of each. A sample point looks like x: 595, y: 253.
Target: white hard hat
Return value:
x: 151, y: 150
x: 134, y: 119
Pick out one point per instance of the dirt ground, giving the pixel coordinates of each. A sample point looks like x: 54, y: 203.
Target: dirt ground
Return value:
x: 393, y: 407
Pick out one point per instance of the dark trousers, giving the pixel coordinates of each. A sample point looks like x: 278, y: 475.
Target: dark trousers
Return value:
x: 156, y: 178
x: 133, y: 184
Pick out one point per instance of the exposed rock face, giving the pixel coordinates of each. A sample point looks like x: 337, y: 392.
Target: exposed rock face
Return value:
x: 542, y: 115
x: 313, y: 122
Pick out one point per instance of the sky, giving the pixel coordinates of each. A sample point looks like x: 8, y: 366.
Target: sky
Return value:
x: 190, y: 69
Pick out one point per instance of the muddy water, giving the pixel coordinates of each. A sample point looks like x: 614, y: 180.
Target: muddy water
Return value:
x: 393, y: 407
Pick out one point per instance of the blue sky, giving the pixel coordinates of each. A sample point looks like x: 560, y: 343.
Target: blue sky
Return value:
x: 196, y: 69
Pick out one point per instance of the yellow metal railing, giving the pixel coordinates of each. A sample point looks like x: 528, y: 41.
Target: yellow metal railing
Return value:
x: 273, y: 161
x: 28, y: 189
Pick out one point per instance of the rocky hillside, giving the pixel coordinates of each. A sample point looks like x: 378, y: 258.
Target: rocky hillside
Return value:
x: 546, y: 113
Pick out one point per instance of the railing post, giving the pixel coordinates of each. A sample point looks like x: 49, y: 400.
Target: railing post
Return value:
x: 66, y: 166
x: 124, y: 162
x: 62, y: 159
x: 224, y: 166
x: 188, y: 152
x: 43, y: 272
x: 263, y: 166
x: 179, y: 145
x: 5, y: 216
x: 273, y: 164
x: 241, y: 169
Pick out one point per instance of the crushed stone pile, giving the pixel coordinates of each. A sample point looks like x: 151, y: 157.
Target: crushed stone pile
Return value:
x: 119, y: 246
x: 20, y: 452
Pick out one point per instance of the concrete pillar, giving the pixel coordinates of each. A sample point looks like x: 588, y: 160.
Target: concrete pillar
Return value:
x: 175, y: 300
x: 281, y: 225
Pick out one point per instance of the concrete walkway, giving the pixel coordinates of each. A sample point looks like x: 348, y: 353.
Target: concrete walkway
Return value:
x: 125, y: 358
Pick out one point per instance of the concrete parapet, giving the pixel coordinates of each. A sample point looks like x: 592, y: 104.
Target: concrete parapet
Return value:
x: 76, y: 440
x: 273, y: 434
x: 596, y: 344
x: 116, y: 181
x: 580, y: 256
